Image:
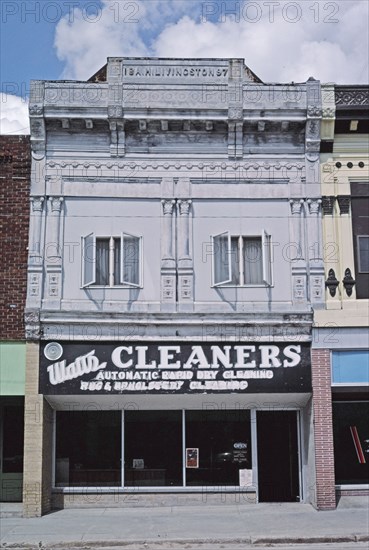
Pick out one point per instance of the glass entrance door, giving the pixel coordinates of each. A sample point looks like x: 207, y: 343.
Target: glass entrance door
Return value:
x: 11, y: 450
x: 278, y: 462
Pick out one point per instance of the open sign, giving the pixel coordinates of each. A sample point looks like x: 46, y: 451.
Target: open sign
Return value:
x: 240, y: 445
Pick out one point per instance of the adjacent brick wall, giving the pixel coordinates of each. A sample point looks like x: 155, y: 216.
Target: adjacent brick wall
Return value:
x: 15, y: 169
x: 323, y: 429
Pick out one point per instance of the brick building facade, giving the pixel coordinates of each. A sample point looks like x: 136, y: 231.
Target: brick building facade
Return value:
x: 15, y: 166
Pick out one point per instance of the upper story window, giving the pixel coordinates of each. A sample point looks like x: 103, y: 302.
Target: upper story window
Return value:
x: 112, y: 261
x: 240, y: 260
x: 363, y: 253
x: 360, y: 233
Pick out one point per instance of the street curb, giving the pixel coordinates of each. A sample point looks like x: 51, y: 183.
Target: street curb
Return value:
x: 180, y: 543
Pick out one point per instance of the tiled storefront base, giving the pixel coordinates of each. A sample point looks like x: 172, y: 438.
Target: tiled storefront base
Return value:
x: 129, y: 500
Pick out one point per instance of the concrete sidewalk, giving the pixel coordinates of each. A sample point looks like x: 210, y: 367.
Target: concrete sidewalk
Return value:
x: 262, y: 523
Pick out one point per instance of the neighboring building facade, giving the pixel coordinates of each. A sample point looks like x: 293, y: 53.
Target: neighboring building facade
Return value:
x: 175, y: 260
x: 15, y: 165
x: 341, y: 338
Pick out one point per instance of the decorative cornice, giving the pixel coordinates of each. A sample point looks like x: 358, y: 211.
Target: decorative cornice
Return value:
x: 352, y: 96
x: 176, y: 165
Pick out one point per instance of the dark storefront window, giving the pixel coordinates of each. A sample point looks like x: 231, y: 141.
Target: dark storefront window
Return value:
x: 215, y: 447
x: 351, y: 442
x: 222, y: 441
x: 153, y: 448
x: 88, y: 449
x: 13, y: 429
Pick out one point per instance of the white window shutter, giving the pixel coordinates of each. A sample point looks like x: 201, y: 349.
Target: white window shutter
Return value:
x: 221, y: 258
x: 267, y: 259
x: 88, y: 260
x: 131, y: 260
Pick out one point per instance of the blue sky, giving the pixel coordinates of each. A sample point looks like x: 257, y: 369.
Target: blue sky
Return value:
x: 280, y: 40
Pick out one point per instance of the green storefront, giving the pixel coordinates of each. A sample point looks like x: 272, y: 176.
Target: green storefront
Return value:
x: 12, y: 389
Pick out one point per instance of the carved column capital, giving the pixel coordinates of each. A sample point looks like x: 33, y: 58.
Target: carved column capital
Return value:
x: 296, y: 206
x: 56, y: 203
x: 328, y: 204
x: 168, y: 206
x: 184, y: 207
x: 344, y: 203
x: 37, y: 204
x: 314, y: 205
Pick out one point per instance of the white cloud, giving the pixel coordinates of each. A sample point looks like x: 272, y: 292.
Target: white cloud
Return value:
x: 327, y: 40
x: 280, y: 50
x: 123, y: 28
x: 13, y: 115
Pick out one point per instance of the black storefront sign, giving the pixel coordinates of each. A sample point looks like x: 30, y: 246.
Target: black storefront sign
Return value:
x: 148, y: 368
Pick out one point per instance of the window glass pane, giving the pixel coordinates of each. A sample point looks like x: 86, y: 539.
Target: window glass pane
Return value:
x: 351, y: 442
x: 116, y: 261
x: 13, y: 429
x: 88, y: 448
x: 363, y: 254
x: 88, y: 258
x: 214, y: 434
x: 131, y: 260
x: 153, y: 448
x: 221, y: 259
x: 253, y: 261
x: 350, y: 367
x: 235, y: 260
x: 102, y: 262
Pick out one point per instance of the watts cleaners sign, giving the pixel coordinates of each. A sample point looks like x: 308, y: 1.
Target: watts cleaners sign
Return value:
x: 76, y: 369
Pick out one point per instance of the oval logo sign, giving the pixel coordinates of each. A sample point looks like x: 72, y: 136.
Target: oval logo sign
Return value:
x: 240, y: 445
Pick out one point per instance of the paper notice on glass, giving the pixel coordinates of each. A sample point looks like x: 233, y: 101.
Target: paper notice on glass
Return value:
x: 245, y: 478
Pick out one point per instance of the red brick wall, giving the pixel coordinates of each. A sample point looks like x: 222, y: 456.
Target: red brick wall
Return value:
x: 15, y: 169
x: 323, y: 429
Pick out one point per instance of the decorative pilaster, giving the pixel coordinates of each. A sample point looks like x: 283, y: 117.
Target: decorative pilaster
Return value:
x: 35, y: 229
x: 313, y: 229
x: 168, y: 264
x: 235, y: 109
x: 167, y: 235
x: 316, y: 266
x: 183, y: 230
x: 35, y: 257
x: 297, y: 252
x: 37, y: 121
x: 185, y: 263
x: 53, y: 254
x: 297, y: 233
x: 312, y: 135
x: 328, y: 112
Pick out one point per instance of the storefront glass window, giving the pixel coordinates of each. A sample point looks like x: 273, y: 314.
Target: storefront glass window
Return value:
x: 218, y: 445
x: 88, y: 448
x: 13, y: 429
x: 153, y: 448
x: 351, y: 442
